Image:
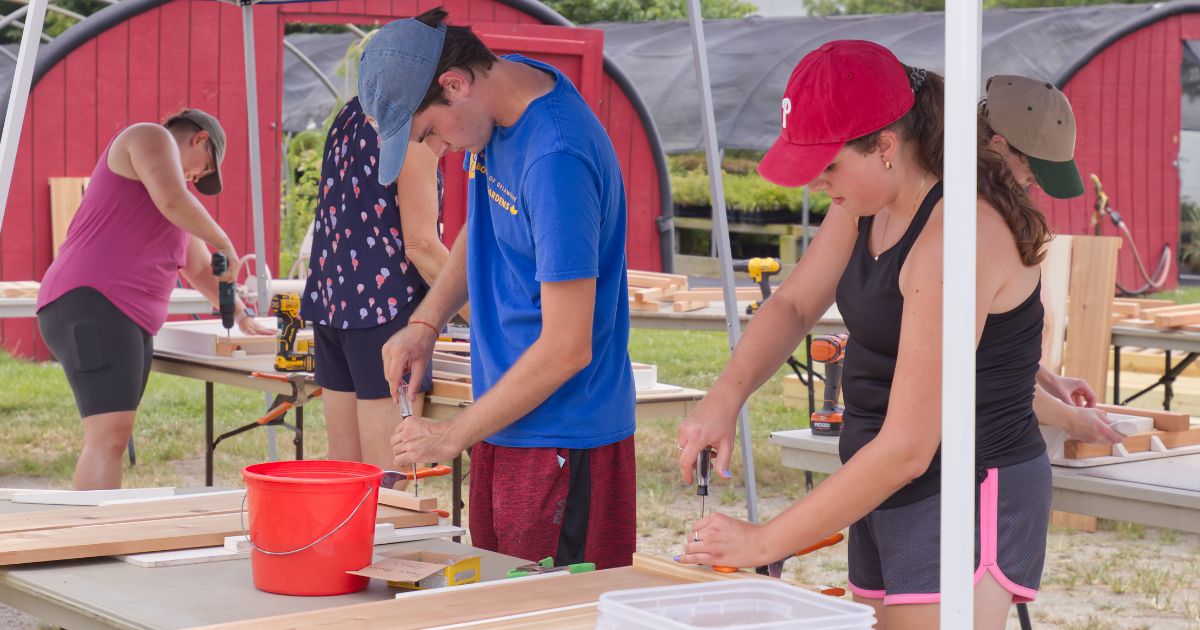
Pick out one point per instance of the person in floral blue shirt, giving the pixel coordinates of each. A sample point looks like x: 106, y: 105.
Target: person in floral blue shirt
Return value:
x: 376, y: 249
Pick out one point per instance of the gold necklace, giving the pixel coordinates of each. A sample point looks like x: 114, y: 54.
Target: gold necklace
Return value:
x: 888, y: 221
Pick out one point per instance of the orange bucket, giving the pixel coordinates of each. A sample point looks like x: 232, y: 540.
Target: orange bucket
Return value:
x: 310, y: 522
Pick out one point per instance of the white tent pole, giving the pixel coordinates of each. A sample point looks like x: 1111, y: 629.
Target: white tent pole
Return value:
x: 721, y: 234
x: 256, y: 196
x: 964, y: 24
x: 18, y: 96
x: 260, y: 247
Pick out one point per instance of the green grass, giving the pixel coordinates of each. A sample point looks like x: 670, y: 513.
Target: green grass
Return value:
x: 1186, y: 295
x: 43, y: 431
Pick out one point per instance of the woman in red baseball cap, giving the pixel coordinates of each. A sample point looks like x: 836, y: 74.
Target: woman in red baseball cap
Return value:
x: 867, y: 130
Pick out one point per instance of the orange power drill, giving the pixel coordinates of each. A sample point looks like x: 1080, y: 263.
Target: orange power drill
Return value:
x: 830, y: 350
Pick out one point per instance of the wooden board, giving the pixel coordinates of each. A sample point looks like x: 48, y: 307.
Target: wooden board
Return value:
x: 1089, y: 328
x: 19, y: 289
x: 744, y: 294
x: 451, y: 389
x: 465, y: 603
x: 66, y: 193
x: 406, y: 500
x: 94, y: 541
x: 684, y: 307
x: 88, y: 497
x: 129, y: 513
x: 1177, y: 320
x: 1163, y: 420
x: 452, y: 346
x: 1056, y: 278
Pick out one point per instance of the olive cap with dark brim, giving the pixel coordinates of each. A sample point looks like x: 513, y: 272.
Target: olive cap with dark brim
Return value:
x: 1060, y: 180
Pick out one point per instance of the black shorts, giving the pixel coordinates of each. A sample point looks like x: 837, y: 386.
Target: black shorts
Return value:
x: 894, y: 552
x: 351, y: 360
x: 105, y: 355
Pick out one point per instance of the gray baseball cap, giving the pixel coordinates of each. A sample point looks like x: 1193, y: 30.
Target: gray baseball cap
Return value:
x: 394, y: 73
x: 1036, y: 119
x: 209, y: 184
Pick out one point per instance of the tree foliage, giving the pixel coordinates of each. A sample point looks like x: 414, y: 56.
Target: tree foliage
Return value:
x: 859, y: 7
x: 588, y: 11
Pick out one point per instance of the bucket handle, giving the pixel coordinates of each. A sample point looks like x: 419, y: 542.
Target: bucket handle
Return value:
x: 242, y: 518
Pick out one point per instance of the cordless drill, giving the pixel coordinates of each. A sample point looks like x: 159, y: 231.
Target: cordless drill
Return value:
x: 287, y: 313
x: 760, y: 270
x: 225, y: 299
x: 830, y: 350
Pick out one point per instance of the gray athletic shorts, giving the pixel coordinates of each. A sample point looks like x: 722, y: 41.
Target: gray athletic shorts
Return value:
x: 105, y: 355
x: 894, y: 553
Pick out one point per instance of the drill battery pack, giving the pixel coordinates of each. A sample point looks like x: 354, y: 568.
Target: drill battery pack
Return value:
x: 824, y: 422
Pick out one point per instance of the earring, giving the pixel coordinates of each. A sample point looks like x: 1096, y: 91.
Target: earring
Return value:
x: 887, y: 164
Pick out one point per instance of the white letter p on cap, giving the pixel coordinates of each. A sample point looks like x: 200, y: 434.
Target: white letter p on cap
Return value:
x: 787, y: 109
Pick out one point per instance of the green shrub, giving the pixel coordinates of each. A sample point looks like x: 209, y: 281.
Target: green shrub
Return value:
x: 745, y: 193
x: 304, y: 160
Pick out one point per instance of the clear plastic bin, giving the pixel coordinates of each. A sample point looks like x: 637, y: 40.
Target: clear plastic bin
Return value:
x: 750, y: 603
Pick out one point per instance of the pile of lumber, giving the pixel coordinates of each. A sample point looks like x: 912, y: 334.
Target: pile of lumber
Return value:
x: 178, y: 522
x: 19, y: 289
x: 1147, y: 430
x: 648, y: 290
x: 1159, y: 314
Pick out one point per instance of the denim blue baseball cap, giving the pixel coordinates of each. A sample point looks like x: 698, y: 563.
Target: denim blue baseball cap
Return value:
x: 396, y: 69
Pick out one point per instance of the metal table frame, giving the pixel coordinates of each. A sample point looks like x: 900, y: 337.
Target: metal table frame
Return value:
x: 1164, y: 340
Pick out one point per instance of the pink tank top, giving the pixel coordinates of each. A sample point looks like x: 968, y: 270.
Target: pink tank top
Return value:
x: 120, y: 244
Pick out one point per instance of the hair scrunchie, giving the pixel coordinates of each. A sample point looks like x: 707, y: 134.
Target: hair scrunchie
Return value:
x: 916, y: 78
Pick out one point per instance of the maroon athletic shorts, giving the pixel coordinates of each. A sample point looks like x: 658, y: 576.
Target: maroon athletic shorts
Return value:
x: 577, y: 505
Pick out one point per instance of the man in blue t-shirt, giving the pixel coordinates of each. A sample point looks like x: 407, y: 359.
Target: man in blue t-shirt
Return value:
x: 542, y: 260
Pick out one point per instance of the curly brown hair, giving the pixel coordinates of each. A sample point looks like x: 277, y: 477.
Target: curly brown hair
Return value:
x: 998, y: 187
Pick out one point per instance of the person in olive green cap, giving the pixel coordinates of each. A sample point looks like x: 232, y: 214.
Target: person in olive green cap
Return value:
x: 1031, y: 125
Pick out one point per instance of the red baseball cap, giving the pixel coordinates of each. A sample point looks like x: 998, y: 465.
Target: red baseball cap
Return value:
x: 843, y: 90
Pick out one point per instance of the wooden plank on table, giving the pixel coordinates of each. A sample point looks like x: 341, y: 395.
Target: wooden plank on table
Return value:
x: 1163, y: 420
x: 406, y: 500
x: 715, y: 295
x: 1056, y: 278
x: 1144, y: 303
x: 648, y: 306
x: 473, y: 602
x: 19, y: 288
x: 1074, y: 449
x: 447, y: 356
x: 183, y: 507
x: 452, y: 346
x: 66, y: 193
x: 1089, y: 329
x: 1175, y: 439
x: 1127, y: 309
x: 1167, y: 310
x: 452, y: 389
x: 684, y: 307
x: 1135, y: 323
x: 646, y: 295
x: 88, y: 497
x: 1175, y: 320
x: 93, y: 541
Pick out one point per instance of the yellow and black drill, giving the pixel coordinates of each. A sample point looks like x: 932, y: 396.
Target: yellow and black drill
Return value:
x: 289, y: 357
x: 760, y: 270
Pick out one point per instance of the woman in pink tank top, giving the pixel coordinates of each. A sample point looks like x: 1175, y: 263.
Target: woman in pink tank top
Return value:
x: 138, y: 229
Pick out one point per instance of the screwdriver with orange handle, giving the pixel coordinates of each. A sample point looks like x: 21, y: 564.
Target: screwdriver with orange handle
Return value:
x: 775, y: 569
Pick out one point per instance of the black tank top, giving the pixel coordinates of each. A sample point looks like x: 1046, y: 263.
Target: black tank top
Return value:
x: 1006, y: 362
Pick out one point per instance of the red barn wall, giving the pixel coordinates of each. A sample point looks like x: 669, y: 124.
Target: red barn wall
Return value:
x: 1127, y: 110
x: 188, y: 53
